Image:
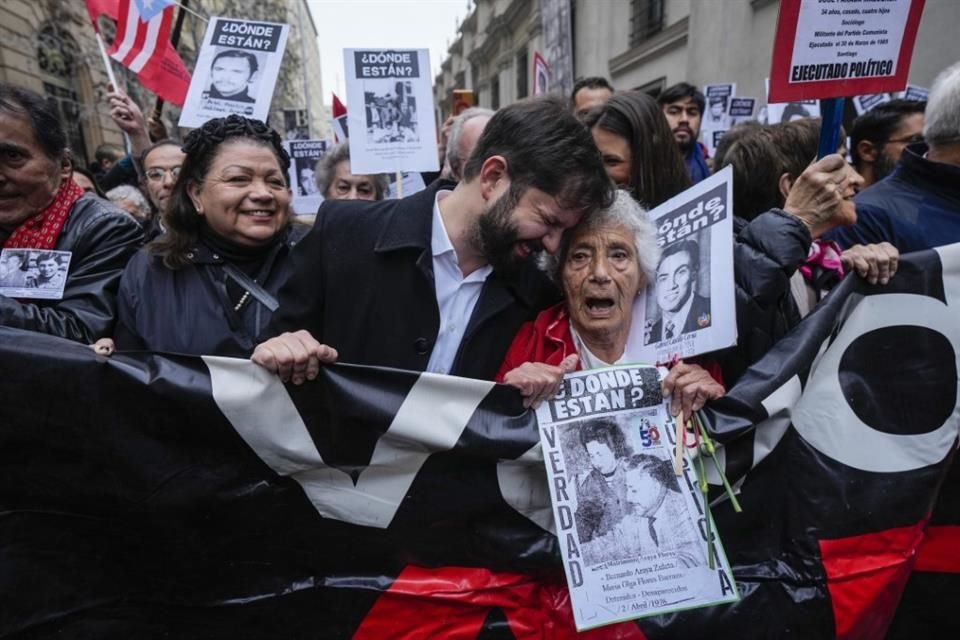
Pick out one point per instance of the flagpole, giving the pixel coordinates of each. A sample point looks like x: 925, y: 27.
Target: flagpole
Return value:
x: 106, y: 62
x: 174, y: 41
x: 127, y: 146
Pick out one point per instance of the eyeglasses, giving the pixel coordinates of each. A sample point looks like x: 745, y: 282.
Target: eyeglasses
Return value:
x: 914, y: 139
x: 156, y: 174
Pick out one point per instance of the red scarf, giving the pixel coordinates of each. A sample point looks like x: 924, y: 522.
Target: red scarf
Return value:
x: 42, y: 230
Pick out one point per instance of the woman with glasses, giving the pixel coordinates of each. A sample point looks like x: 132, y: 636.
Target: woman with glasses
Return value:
x: 208, y: 284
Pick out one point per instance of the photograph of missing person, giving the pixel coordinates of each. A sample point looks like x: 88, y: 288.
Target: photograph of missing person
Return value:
x: 716, y: 116
x: 629, y: 504
x: 233, y: 76
x: 306, y: 176
x: 29, y: 273
x: 391, y: 111
x: 680, y: 301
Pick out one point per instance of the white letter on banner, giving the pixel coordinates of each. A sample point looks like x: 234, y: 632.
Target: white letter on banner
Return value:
x: 431, y: 419
x: 825, y: 419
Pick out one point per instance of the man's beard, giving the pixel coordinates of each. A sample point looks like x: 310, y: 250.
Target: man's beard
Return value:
x: 882, y: 166
x: 687, y: 144
x: 496, y: 236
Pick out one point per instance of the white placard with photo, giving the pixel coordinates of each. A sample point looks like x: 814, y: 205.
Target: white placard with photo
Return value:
x: 632, y: 533
x: 690, y: 308
x: 390, y: 116
x: 304, y: 155
x: 716, y: 113
x: 862, y: 104
x: 741, y: 109
x: 236, y: 70
x: 411, y: 183
x: 33, y: 273
x: 915, y: 92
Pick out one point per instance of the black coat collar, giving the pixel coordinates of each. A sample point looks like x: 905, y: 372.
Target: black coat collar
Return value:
x: 410, y: 226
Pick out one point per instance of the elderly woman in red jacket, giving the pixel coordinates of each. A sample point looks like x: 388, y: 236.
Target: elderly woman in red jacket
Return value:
x: 603, y: 266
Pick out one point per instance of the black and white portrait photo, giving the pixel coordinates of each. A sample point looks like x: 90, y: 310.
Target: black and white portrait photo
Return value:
x: 391, y: 111
x: 233, y: 76
x: 306, y: 176
x: 30, y: 273
x: 682, y: 300
x: 625, y: 495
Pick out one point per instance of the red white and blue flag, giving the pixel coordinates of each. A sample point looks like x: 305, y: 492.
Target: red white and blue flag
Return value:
x: 142, y: 44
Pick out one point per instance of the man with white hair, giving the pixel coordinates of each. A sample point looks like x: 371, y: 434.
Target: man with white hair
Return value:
x: 464, y: 133
x: 918, y: 205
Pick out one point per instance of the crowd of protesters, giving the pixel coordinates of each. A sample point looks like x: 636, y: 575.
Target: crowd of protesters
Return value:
x: 191, y: 246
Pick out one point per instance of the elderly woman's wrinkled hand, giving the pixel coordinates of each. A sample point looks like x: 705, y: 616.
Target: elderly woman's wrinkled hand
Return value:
x: 873, y: 262
x: 295, y: 357
x: 538, y: 381
x: 689, y: 387
x: 821, y: 197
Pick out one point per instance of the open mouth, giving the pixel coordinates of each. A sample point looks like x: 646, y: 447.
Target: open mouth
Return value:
x: 599, y: 307
x: 259, y: 214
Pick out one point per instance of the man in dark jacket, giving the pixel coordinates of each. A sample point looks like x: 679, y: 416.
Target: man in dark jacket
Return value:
x: 442, y: 280
x: 918, y: 206
x: 42, y: 208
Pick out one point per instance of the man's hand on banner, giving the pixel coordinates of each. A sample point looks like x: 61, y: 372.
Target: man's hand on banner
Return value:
x: 127, y: 115
x: 538, y: 381
x: 873, y: 262
x: 295, y: 357
x: 822, y: 197
x: 689, y: 387
x: 104, y: 347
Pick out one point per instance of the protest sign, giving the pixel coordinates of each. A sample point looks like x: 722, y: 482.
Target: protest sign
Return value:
x: 741, y: 110
x: 833, y: 48
x: 862, y: 104
x: 463, y: 99
x: 689, y: 309
x: 632, y: 533
x: 914, y: 92
x: 410, y: 183
x: 391, y: 112
x: 236, y: 70
x: 304, y: 155
x: 718, y: 98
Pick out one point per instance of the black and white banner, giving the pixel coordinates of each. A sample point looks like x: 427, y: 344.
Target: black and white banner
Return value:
x: 152, y: 495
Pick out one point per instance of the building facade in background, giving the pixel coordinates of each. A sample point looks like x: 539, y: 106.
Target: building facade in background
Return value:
x: 649, y: 45
x: 49, y: 46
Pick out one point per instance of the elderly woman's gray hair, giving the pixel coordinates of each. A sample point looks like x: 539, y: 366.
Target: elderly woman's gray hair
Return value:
x: 327, y: 171
x: 942, y: 116
x: 131, y: 200
x: 626, y: 212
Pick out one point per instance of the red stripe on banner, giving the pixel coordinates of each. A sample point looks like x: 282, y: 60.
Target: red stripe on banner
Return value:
x: 940, y: 551
x: 866, y: 575
x: 122, y: 16
x: 454, y: 602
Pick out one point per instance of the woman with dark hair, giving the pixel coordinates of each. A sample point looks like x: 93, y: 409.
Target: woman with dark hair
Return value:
x: 638, y: 148
x: 207, y: 285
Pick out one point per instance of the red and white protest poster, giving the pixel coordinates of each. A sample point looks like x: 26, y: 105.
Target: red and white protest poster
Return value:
x: 833, y: 48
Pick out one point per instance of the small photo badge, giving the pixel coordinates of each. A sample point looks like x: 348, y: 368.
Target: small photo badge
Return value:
x: 33, y: 273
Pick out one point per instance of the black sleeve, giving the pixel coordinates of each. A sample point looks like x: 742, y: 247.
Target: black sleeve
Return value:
x: 88, y: 307
x: 301, y: 299
x: 126, y: 337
